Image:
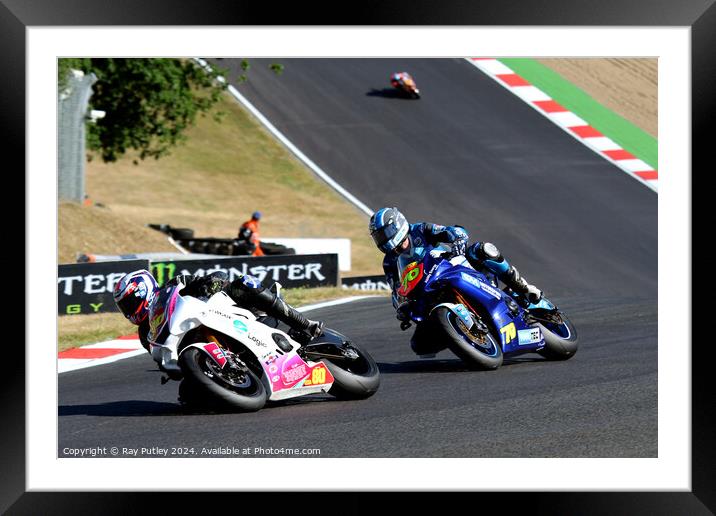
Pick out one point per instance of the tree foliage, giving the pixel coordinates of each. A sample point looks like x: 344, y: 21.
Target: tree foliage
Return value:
x: 148, y: 102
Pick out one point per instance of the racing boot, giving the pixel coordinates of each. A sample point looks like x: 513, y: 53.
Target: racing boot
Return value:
x: 517, y: 283
x: 255, y: 294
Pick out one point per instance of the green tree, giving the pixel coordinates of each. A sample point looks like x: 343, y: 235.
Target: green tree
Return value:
x: 148, y: 102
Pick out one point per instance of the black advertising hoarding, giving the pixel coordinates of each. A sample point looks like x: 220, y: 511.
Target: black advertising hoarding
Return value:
x: 302, y: 270
x: 86, y: 288
x: 367, y: 283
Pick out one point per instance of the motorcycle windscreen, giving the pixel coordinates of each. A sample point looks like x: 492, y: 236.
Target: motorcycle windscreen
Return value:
x: 160, y: 313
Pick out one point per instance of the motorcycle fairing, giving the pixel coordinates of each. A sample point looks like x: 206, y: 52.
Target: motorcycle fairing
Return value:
x: 211, y: 349
x: 459, y: 310
x: 285, y: 372
x: 477, y: 290
x: 412, y: 274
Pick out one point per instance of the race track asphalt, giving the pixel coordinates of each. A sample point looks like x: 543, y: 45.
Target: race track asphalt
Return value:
x: 467, y: 153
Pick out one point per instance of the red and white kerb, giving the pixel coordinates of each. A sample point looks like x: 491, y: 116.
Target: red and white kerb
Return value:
x: 571, y: 123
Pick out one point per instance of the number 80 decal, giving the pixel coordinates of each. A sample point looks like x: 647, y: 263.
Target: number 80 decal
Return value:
x: 319, y: 376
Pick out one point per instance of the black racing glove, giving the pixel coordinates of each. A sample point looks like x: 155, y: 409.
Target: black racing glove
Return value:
x: 403, y: 315
x: 459, y: 247
x: 403, y: 311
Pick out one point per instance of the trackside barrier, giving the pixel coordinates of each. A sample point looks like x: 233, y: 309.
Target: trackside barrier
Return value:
x: 305, y: 270
x: 84, y: 288
x: 367, y: 283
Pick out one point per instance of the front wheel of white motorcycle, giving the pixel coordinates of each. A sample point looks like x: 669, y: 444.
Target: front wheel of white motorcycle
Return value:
x: 237, y: 389
x: 479, y: 350
x: 354, y: 378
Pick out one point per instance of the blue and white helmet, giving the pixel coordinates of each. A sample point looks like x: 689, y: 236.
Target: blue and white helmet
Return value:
x: 388, y: 228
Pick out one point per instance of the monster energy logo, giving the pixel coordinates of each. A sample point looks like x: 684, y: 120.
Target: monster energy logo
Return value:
x: 163, y: 271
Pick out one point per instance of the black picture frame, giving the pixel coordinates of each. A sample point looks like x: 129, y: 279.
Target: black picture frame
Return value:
x: 699, y: 15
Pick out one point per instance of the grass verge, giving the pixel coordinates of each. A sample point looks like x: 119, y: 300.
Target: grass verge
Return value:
x: 77, y: 330
x: 626, y: 134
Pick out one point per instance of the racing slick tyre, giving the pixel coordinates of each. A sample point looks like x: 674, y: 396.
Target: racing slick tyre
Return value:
x: 353, y: 379
x: 560, y: 340
x: 224, y: 388
x: 271, y: 249
x: 479, y: 351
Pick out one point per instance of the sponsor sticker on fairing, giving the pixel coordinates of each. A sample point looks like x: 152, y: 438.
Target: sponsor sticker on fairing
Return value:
x: 257, y: 341
x: 216, y: 352
x: 481, y: 284
x: 529, y: 336
x: 296, y: 373
x: 491, y: 290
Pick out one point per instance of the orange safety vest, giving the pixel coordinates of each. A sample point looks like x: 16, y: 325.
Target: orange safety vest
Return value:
x: 253, y: 225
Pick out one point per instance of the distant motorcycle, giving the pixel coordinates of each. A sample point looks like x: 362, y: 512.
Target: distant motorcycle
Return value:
x: 406, y: 84
x: 225, y: 355
x: 468, y: 313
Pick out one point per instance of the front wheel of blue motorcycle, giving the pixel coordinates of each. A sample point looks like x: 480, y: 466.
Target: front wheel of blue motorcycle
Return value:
x: 478, y: 349
x: 560, y: 338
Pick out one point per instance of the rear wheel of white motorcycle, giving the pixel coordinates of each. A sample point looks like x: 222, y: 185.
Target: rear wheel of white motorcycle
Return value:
x: 354, y: 379
x: 223, y: 388
x: 561, y: 341
x: 479, y: 350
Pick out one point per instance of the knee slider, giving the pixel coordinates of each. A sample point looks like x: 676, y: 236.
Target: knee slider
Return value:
x: 491, y: 252
x: 484, y: 251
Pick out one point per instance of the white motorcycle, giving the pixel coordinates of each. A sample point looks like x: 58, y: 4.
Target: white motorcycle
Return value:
x: 227, y: 356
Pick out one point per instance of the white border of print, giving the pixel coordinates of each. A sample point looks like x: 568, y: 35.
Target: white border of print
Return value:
x: 670, y: 471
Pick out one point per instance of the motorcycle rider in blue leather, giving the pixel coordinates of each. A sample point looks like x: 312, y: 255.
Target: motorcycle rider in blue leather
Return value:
x: 393, y: 235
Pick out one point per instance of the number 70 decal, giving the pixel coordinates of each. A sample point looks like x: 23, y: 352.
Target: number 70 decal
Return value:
x: 508, y: 332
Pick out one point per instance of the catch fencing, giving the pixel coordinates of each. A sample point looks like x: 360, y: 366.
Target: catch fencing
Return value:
x: 71, y: 118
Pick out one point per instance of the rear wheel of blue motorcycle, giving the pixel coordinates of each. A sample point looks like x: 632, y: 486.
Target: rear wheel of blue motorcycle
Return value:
x: 561, y: 341
x: 478, y: 351
x: 221, y: 388
x: 354, y: 379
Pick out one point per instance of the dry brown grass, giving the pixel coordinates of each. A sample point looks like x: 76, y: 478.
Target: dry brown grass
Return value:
x: 628, y: 87
x: 78, y: 330
x: 216, y: 179
x: 90, y: 229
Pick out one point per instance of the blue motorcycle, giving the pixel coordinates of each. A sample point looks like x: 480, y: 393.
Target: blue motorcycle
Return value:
x: 464, y: 310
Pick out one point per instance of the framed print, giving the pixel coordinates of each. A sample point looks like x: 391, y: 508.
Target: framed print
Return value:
x: 496, y: 137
